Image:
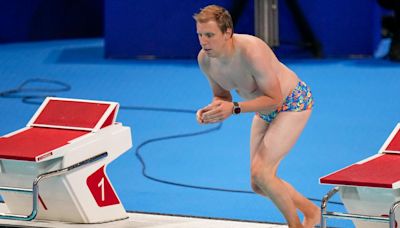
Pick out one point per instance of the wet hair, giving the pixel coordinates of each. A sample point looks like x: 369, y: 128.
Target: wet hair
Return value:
x: 217, y: 14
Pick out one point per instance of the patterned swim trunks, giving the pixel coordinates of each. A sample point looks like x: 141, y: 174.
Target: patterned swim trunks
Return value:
x: 300, y: 99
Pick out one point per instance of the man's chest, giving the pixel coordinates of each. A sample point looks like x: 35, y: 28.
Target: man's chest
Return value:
x: 234, y: 78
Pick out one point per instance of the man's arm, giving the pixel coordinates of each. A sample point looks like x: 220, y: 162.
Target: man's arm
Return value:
x: 219, y: 93
x: 261, y: 62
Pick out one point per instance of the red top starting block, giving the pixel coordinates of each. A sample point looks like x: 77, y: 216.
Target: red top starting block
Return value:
x: 370, y: 189
x: 381, y: 170
x: 55, y: 124
x: 68, y: 142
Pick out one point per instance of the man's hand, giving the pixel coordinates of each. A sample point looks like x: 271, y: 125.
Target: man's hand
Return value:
x: 199, y: 115
x: 215, y: 112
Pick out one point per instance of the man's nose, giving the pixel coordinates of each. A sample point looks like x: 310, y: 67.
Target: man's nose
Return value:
x: 203, y: 40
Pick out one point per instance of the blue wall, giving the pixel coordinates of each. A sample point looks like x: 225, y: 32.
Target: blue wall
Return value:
x: 344, y: 27
x: 166, y: 29
x: 161, y: 28
x: 27, y: 20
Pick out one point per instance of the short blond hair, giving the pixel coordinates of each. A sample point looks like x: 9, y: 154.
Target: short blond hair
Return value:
x: 215, y: 13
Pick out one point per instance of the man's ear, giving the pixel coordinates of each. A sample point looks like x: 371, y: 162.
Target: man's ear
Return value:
x: 228, y: 33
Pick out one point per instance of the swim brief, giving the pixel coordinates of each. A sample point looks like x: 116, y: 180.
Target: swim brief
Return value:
x: 300, y: 99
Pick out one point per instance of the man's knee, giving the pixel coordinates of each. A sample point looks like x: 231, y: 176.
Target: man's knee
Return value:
x: 260, y: 179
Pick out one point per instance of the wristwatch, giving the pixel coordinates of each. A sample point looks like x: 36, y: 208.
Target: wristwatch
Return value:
x: 236, y: 108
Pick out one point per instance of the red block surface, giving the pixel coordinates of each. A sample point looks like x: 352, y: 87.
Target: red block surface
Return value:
x: 382, y: 171
x: 394, y: 145
x: 71, y: 114
x: 34, y: 142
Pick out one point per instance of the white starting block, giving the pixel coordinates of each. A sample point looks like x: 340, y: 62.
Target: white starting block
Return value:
x: 65, y: 150
x: 369, y: 189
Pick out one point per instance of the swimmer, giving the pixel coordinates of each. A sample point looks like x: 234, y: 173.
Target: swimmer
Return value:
x: 282, y: 104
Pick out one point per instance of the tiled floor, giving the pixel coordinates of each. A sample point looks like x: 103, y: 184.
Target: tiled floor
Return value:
x: 139, y: 220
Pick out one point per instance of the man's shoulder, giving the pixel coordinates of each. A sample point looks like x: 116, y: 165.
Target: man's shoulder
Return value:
x: 251, y: 46
x: 203, y: 61
x: 202, y: 58
x: 248, y: 43
x: 248, y: 40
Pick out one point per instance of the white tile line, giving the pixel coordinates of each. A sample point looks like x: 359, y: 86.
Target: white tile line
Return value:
x: 142, y: 220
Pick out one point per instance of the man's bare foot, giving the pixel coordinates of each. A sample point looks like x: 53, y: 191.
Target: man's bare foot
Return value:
x: 313, y: 218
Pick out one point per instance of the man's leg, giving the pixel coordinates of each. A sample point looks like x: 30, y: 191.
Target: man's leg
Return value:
x: 269, y: 144
x: 311, y: 212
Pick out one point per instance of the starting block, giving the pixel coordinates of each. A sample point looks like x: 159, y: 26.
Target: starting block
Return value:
x: 369, y: 189
x: 65, y: 149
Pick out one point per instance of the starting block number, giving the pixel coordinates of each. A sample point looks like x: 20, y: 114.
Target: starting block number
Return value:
x: 101, y: 189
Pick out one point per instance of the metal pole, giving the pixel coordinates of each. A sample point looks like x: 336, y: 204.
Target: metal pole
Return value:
x: 324, y: 214
x: 368, y: 218
x: 324, y: 204
x: 266, y: 21
x: 392, y: 215
x: 35, y: 187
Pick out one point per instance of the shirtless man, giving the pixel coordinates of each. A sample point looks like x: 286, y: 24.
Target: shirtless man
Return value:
x: 281, y: 101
